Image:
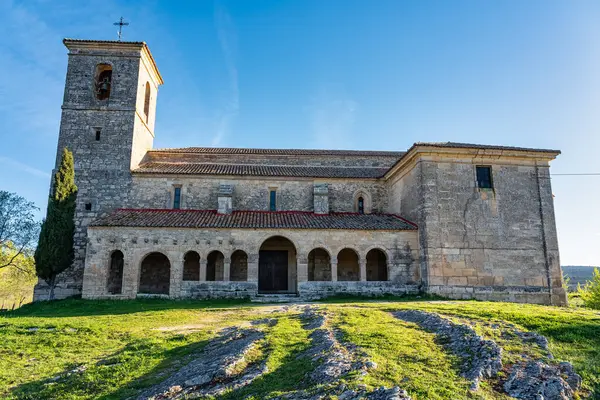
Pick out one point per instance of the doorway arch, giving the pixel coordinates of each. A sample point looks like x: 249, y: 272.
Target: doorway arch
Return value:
x: 277, y: 266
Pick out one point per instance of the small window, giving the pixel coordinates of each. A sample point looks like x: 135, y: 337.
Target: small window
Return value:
x: 361, y: 205
x: 88, y: 206
x: 98, y: 131
x: 147, y: 102
x: 177, y: 198
x: 484, y: 177
x: 273, y: 200
x: 103, y: 81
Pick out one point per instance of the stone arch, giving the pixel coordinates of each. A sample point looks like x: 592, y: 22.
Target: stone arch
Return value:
x: 367, y: 204
x: 277, y: 259
x: 319, y: 265
x: 388, y: 254
x: 238, y: 266
x: 377, y: 265
x: 191, y: 266
x: 348, y: 267
x: 103, y: 81
x: 155, y: 274
x: 215, y: 266
x: 114, y: 284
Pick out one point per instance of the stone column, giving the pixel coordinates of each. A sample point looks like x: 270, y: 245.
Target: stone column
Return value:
x: 362, y: 267
x: 226, y: 269
x: 252, y: 267
x: 334, y: 269
x: 202, y: 270
x: 302, y: 269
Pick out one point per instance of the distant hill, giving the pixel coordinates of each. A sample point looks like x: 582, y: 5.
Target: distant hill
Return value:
x: 577, y: 274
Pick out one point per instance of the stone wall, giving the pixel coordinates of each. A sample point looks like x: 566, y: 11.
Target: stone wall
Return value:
x: 293, y: 194
x: 401, y: 248
x: 102, y: 167
x: 495, y: 244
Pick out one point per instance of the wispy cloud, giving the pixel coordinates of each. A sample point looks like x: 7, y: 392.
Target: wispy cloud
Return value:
x: 23, y: 167
x: 228, y: 41
x: 332, y: 114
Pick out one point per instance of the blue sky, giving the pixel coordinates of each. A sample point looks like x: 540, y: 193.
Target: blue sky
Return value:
x: 330, y: 74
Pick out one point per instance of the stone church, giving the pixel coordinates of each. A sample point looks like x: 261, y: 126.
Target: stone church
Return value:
x: 458, y: 220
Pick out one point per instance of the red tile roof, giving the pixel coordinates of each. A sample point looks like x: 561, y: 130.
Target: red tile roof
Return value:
x: 163, y: 218
x: 310, y: 171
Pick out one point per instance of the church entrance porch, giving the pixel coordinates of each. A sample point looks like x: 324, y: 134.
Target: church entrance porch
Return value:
x: 277, y: 266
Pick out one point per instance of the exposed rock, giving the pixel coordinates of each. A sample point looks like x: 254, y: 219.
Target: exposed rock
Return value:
x: 213, y: 371
x: 481, y: 358
x: 334, y: 361
x: 539, y: 381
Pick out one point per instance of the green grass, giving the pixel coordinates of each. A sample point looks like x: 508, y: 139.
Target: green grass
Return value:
x: 122, y: 347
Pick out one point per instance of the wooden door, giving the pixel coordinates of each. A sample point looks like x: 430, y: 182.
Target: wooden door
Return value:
x: 273, y: 270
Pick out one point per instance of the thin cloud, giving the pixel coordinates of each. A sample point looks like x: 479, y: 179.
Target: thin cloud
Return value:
x: 332, y: 116
x: 24, y: 167
x: 228, y: 41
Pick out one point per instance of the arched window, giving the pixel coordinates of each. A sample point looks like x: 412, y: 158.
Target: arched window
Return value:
x: 155, y: 274
x: 191, y: 266
x: 115, y: 273
x: 103, y: 81
x: 376, y: 265
x: 215, y: 266
x: 319, y: 265
x: 348, y: 266
x: 361, y: 205
x: 239, y: 266
x: 147, y: 102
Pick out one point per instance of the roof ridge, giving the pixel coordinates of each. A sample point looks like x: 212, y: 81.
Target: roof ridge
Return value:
x: 273, y: 151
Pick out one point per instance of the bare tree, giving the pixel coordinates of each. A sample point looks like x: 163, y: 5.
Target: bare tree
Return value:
x: 18, y: 228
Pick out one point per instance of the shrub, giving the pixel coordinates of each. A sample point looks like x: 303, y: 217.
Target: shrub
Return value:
x: 590, y: 293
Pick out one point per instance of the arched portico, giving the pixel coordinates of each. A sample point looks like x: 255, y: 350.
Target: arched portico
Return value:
x: 277, y: 270
x: 155, y: 274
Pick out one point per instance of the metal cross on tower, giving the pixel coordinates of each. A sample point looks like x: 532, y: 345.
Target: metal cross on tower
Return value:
x: 121, y: 24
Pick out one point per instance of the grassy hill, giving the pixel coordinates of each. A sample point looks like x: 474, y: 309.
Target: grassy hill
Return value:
x: 577, y: 275
x: 75, y: 349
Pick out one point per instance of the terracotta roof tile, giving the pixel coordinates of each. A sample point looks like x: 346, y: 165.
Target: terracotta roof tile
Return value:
x: 186, y: 168
x: 251, y: 220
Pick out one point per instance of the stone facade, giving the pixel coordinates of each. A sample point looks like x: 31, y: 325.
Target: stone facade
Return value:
x: 400, y: 250
x: 491, y: 243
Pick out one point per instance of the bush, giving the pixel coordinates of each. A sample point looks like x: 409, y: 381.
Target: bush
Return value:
x: 590, y: 293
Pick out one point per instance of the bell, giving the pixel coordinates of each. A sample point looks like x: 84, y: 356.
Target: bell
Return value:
x: 104, y: 86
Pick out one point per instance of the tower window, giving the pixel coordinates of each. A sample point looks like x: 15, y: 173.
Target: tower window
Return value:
x: 361, y: 205
x: 177, y: 198
x: 88, y: 206
x: 147, y: 102
x: 103, y: 81
x: 272, y: 200
x: 98, y: 131
x: 484, y: 177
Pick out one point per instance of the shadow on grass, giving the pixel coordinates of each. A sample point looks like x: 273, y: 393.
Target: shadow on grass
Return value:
x: 362, y: 299
x: 104, y: 379
x: 84, y: 308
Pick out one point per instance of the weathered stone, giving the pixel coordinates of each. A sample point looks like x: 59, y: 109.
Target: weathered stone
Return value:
x: 481, y: 358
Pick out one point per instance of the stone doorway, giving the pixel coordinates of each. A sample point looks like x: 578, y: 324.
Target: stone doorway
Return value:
x: 277, y: 266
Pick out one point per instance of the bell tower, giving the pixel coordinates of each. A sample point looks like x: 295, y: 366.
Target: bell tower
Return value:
x: 108, y: 115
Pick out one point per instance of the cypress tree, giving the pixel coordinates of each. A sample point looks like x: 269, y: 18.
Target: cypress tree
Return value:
x: 54, y: 252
